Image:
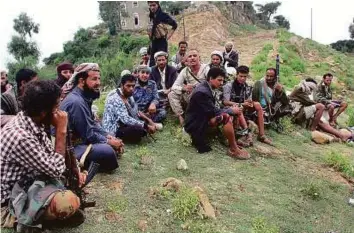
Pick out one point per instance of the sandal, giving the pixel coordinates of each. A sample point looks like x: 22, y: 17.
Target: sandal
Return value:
x: 240, y: 154
x: 265, y: 140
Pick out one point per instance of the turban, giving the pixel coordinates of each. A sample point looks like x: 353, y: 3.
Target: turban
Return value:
x: 124, y: 72
x: 84, y: 67
x: 143, y: 51
x: 65, y: 66
x: 143, y: 68
x: 160, y: 53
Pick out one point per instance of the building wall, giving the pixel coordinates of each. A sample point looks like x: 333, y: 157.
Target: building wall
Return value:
x: 135, y: 9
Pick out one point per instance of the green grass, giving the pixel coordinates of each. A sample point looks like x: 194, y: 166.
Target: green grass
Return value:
x: 350, y: 112
x: 185, y: 204
x: 340, y: 163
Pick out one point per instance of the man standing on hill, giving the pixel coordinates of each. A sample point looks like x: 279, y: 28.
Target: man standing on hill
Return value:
x: 179, y: 60
x: 230, y: 55
x: 189, y: 77
x: 157, y: 29
x: 324, y: 95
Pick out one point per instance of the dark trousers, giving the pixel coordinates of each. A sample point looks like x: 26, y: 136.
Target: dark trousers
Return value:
x: 156, y: 46
x: 101, y: 153
x: 131, y: 133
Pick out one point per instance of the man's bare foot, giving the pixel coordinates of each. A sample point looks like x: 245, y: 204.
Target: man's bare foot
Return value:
x: 238, y: 154
x: 265, y: 140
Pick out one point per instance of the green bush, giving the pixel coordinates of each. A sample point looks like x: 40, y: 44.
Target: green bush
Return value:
x: 131, y: 44
x: 185, y: 203
x: 47, y: 72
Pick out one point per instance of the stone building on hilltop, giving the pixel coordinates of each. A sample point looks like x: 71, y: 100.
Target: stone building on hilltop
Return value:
x: 134, y: 15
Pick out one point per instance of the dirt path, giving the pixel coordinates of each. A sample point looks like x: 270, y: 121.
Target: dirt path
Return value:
x: 208, y: 31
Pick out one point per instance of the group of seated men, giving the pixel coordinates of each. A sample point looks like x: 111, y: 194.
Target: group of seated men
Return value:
x: 200, y: 95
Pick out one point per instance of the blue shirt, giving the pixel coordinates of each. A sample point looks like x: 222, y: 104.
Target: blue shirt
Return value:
x: 146, y: 95
x: 117, y: 113
x: 81, y: 118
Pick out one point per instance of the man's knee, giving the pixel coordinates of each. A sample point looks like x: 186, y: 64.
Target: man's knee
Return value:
x: 330, y: 107
x: 320, y: 107
x: 105, y: 155
x: 344, y: 105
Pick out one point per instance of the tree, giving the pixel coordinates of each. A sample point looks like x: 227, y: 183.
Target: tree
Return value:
x: 351, y: 30
x: 267, y: 10
x: 282, y: 21
x: 175, y: 7
x: 110, y: 14
x: 22, y: 46
x: 24, y: 25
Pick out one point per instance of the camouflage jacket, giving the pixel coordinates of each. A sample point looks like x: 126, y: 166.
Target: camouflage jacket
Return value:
x: 323, y: 94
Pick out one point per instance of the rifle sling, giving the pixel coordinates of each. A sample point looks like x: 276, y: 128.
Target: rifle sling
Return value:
x: 195, y: 78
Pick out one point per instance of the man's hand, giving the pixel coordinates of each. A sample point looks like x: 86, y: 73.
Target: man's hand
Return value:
x: 236, y: 110
x: 60, y: 120
x: 278, y: 87
x: 166, y: 92
x: 188, y: 88
x: 248, y: 103
x: 152, y: 109
x: 151, y: 129
x: 170, y: 34
x: 8, y: 87
x: 82, y: 177
x: 115, y: 143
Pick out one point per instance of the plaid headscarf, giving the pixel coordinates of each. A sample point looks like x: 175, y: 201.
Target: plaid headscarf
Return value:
x: 84, y: 67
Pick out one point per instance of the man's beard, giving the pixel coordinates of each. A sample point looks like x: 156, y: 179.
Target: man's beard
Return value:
x: 89, y: 92
x: 271, y: 83
x: 142, y: 83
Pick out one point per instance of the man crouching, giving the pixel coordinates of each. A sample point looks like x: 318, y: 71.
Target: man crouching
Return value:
x: 31, y: 169
x: 202, y: 113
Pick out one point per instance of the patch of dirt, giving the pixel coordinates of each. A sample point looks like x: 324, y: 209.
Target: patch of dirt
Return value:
x: 208, y: 31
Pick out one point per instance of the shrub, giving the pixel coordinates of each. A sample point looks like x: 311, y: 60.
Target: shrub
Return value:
x: 312, y: 191
x: 185, y: 203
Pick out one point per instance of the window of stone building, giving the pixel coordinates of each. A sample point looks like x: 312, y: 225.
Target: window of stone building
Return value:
x: 124, y: 7
x: 124, y: 24
x: 135, y: 4
x: 136, y: 19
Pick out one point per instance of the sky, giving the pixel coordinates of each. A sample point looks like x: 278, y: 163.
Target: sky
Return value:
x: 59, y: 20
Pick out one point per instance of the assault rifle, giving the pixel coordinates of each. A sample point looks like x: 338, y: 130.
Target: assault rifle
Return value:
x: 72, y: 172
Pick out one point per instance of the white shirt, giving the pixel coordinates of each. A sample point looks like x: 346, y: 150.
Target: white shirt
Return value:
x: 163, y: 77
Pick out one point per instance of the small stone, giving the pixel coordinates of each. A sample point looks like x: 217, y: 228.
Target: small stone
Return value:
x: 182, y: 165
x: 208, y: 209
x: 172, y: 184
x: 142, y: 225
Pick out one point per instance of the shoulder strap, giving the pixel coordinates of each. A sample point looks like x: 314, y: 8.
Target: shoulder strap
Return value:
x: 196, y: 79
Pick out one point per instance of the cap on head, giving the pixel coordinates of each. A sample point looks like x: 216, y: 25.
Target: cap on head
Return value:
x: 160, y: 53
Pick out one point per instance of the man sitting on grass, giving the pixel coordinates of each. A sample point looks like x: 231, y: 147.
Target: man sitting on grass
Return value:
x: 324, y: 95
x: 202, y: 114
